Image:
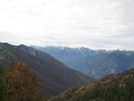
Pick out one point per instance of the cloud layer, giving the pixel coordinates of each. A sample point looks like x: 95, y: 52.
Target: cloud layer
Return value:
x: 97, y: 24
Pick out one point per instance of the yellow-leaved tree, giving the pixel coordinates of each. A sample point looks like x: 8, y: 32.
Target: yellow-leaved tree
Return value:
x: 21, y: 84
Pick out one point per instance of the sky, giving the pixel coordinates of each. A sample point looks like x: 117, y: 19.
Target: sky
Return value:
x: 96, y: 24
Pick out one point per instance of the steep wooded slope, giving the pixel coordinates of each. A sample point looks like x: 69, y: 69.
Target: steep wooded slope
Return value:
x: 53, y: 76
x: 117, y: 87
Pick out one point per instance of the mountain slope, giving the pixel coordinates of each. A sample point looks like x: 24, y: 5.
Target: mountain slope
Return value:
x: 117, y: 87
x: 95, y: 63
x: 53, y: 76
x: 105, y: 64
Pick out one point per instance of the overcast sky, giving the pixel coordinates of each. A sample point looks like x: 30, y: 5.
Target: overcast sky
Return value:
x: 97, y: 24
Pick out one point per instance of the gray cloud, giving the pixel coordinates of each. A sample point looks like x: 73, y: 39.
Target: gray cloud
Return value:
x: 106, y: 24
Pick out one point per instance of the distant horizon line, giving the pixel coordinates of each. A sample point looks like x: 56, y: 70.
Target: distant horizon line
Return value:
x: 66, y: 47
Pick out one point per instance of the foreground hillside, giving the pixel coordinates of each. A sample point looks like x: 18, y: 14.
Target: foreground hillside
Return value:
x: 53, y: 76
x: 116, y: 87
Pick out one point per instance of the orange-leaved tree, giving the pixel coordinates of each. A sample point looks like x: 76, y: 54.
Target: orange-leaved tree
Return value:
x: 21, y: 84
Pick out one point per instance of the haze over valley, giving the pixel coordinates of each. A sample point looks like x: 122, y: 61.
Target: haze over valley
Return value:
x: 95, y: 63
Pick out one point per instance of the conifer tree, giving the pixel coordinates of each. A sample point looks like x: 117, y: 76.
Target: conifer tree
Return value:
x: 2, y: 87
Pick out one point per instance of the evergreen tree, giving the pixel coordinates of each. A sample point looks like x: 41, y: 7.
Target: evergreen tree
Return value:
x: 2, y: 87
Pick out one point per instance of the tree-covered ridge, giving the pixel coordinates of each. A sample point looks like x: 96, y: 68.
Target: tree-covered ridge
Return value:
x: 118, y: 87
x: 54, y: 76
x: 19, y: 84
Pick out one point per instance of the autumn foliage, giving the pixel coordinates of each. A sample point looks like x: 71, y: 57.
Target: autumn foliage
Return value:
x: 21, y: 84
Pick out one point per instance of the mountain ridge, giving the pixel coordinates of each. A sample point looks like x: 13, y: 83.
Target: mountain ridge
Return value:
x: 53, y: 76
x: 65, y: 54
x: 95, y: 63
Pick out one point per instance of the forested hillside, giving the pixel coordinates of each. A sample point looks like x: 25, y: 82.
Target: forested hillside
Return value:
x: 54, y: 76
x: 116, y: 87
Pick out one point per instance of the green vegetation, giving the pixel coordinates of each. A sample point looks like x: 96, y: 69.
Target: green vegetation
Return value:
x: 111, y: 88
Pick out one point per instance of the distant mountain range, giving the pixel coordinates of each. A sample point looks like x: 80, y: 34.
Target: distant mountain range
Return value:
x: 116, y: 87
x: 65, y: 54
x: 95, y: 63
x: 53, y: 76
